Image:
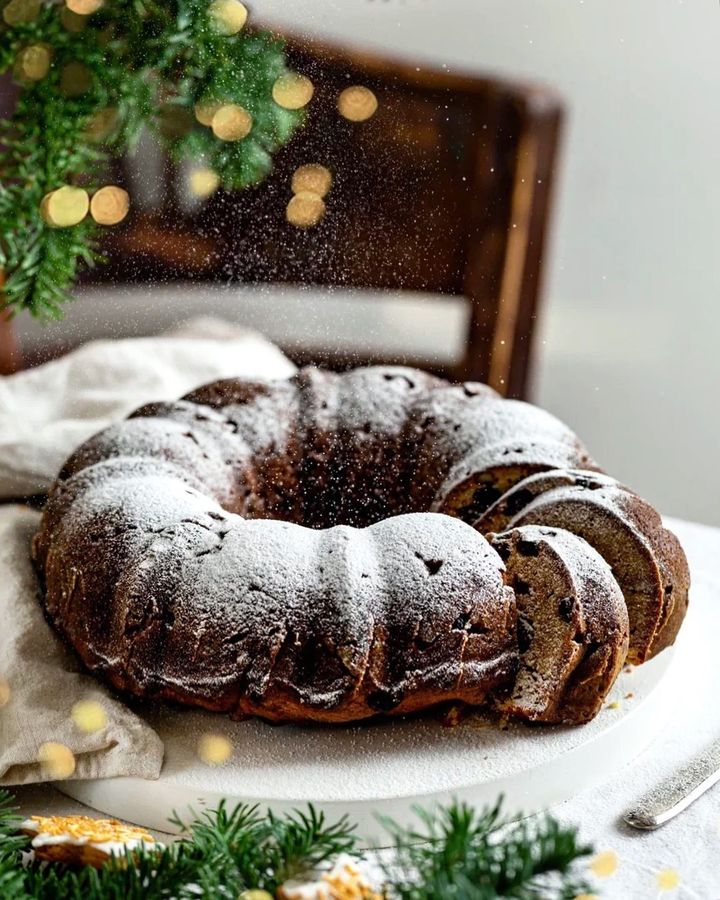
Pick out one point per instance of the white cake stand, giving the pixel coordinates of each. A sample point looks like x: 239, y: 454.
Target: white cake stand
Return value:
x: 386, y: 769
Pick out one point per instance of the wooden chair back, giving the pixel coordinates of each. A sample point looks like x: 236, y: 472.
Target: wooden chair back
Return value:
x: 445, y: 190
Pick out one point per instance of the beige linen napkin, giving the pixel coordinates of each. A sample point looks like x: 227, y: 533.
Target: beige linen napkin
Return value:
x: 47, y: 411
x: 44, y: 682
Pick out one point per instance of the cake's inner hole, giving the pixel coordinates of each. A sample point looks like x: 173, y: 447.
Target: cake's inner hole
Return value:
x: 339, y: 479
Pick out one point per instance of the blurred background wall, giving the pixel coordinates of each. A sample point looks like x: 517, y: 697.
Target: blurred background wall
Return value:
x: 629, y: 350
x: 629, y: 342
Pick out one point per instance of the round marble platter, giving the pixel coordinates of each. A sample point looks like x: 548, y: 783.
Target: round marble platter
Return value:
x: 385, y: 769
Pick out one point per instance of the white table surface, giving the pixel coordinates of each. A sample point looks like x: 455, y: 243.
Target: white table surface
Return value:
x: 690, y: 845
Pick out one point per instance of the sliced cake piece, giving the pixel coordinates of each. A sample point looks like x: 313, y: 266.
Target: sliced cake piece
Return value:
x: 437, y: 435
x: 487, y: 473
x: 572, y: 624
x: 647, y: 560
x: 499, y: 516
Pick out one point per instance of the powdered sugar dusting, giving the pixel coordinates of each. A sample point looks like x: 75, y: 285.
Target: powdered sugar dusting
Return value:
x: 178, y: 562
x: 194, y: 601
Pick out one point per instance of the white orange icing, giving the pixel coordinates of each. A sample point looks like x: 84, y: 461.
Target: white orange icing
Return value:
x: 344, y: 881
x: 106, y: 835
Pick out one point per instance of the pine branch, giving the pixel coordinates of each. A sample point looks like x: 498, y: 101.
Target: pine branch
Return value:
x: 457, y: 853
x: 150, y: 63
x: 467, y: 855
x: 11, y: 846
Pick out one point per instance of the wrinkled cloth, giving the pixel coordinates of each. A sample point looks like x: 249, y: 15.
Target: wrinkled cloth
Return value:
x: 47, y: 411
x: 44, y: 682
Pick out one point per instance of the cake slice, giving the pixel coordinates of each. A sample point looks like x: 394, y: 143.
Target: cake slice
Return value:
x: 485, y: 475
x: 498, y: 517
x: 646, y: 559
x: 572, y: 625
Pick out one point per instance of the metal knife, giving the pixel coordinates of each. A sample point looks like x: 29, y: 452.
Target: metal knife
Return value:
x: 677, y: 792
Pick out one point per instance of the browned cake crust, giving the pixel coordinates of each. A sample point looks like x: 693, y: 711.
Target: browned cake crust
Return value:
x: 283, y: 549
x: 572, y: 624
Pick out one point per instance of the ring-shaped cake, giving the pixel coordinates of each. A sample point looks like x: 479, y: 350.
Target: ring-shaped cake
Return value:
x: 327, y: 548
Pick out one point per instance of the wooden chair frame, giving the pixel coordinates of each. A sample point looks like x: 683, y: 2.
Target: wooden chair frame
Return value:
x: 514, y: 125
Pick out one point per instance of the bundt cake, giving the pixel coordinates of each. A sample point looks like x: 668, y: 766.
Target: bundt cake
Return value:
x: 314, y: 549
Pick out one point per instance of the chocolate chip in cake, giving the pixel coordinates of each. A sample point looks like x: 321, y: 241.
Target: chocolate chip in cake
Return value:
x: 584, y: 482
x: 517, y: 501
x: 482, y: 499
x: 503, y: 550
x: 565, y: 608
x: 525, y: 634
x: 432, y: 565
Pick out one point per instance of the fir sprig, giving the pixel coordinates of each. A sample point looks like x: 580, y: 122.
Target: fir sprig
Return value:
x: 223, y: 854
x: 469, y: 855
x: 458, y: 853
x: 150, y: 62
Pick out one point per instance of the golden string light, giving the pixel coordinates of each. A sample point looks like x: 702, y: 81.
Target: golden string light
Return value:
x: 89, y: 716
x: 305, y: 210
x: 21, y: 12
x: 75, y: 79
x: 203, y: 182
x: 668, y: 880
x: 231, y: 122
x: 205, y: 110
x: 102, y: 123
x: 71, y: 21
x: 293, y: 91
x: 84, y: 7
x: 312, y: 177
x: 56, y: 761
x: 227, y: 16
x: 33, y: 63
x: 65, y: 207
x: 109, y: 205
x: 357, y: 103
x: 604, y: 864
x: 214, y: 749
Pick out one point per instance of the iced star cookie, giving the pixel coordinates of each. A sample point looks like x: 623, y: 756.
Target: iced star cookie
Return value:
x: 344, y: 881
x: 83, y: 841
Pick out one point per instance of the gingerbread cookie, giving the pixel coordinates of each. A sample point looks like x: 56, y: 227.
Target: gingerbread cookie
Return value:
x: 344, y: 881
x: 83, y: 841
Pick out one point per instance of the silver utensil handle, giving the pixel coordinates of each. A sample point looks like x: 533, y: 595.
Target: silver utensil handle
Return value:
x: 677, y: 792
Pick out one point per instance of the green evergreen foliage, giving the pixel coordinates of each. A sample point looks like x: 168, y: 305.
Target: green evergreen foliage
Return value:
x: 459, y: 853
x: 151, y: 61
